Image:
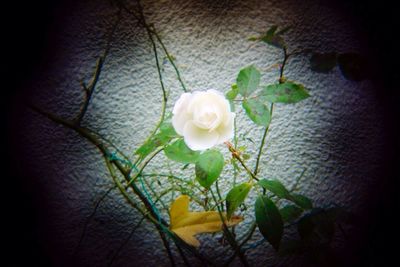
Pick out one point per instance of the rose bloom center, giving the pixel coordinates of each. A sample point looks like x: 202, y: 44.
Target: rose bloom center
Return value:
x: 207, y: 118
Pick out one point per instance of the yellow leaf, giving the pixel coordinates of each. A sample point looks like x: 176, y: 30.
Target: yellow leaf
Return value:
x: 188, y: 224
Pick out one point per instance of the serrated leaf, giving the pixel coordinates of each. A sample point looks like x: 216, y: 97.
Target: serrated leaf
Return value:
x: 353, y: 66
x: 180, y: 152
x: 235, y: 197
x: 188, y: 224
x: 248, y: 80
x: 231, y: 94
x: 287, y: 92
x: 269, y: 220
x: 290, y: 213
x: 257, y: 111
x: 275, y: 187
x: 301, y: 201
x: 323, y: 63
x: 208, y: 167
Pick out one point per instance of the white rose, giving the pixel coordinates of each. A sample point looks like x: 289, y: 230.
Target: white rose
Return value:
x: 204, y: 119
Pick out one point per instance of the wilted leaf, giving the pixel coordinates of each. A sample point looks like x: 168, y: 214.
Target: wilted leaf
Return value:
x: 287, y: 92
x: 269, y: 220
x: 208, y: 167
x: 248, y: 80
x: 180, y: 152
x: 188, y: 224
x: 257, y: 111
x: 235, y: 197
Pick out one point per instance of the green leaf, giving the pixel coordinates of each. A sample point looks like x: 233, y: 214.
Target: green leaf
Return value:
x: 274, y: 39
x: 180, y: 152
x: 302, y: 201
x: 275, y: 187
x: 271, y: 31
x: 248, y: 80
x: 353, y: 66
x: 287, y: 92
x: 290, y: 213
x: 235, y: 197
x: 231, y: 94
x: 323, y: 63
x: 257, y: 111
x: 208, y: 167
x: 269, y: 220
x: 167, y: 130
x: 164, y: 136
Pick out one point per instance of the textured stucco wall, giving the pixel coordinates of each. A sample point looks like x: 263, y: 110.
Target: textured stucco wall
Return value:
x: 335, y: 134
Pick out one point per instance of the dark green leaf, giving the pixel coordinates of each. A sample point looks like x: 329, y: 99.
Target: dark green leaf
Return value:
x: 235, y: 197
x: 353, y: 66
x: 269, y: 220
x: 287, y: 92
x: 208, y: 167
x: 323, y: 62
x: 273, y: 38
x: 257, y: 111
x: 290, y: 213
x: 275, y: 187
x: 248, y: 80
x: 180, y: 152
x: 231, y: 94
x: 271, y: 31
x: 302, y: 201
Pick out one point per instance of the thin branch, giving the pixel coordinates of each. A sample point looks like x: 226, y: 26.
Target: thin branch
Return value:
x: 89, y: 89
x: 89, y: 218
x: 230, y: 237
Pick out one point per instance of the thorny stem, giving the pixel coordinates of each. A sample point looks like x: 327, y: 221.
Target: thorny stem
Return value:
x: 150, y: 214
x: 236, y: 155
x: 230, y: 237
x: 89, y: 218
x: 150, y: 29
x: 263, y: 142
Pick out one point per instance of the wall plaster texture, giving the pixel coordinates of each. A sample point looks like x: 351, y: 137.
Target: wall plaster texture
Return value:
x: 335, y: 134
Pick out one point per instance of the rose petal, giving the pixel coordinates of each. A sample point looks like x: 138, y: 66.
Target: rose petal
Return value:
x: 226, y: 130
x: 199, y: 139
x: 178, y: 121
x: 182, y: 103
